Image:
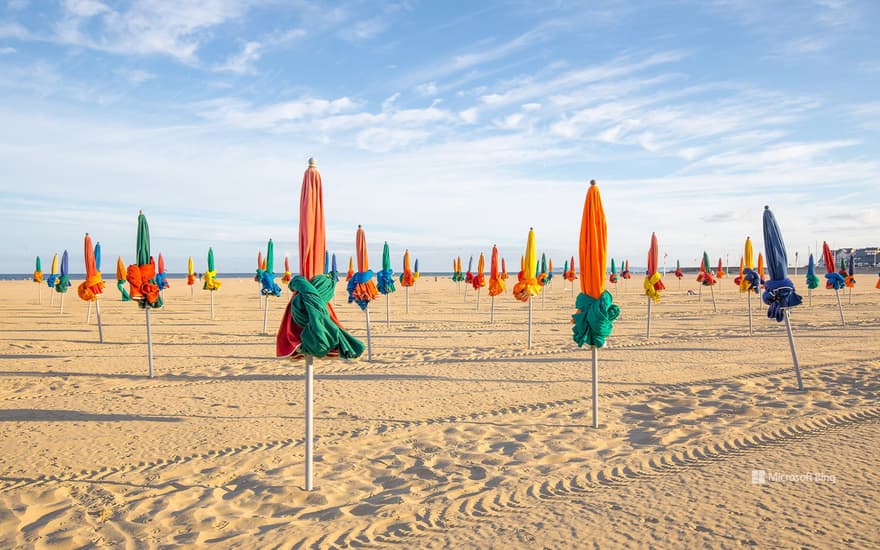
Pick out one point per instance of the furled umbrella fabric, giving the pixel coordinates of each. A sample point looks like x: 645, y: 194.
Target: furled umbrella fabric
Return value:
x: 719, y: 272
x: 64, y: 275
x: 326, y: 263
x: 287, y: 276
x: 210, y: 281
x: 89, y: 289
x: 593, y: 320
x: 528, y: 285
x: 385, y: 277
x: 309, y: 325
x: 812, y: 279
x: 779, y: 291
x: 761, y: 268
x: 625, y: 273
x: 141, y: 275
x: 260, y: 266
x: 52, y: 279
x: 705, y: 277
x: 570, y: 274
x: 543, y: 278
x: 38, y: 271
x: 469, y: 276
x: 190, y: 272
x: 361, y: 288
x: 416, y: 273
x: 457, y: 275
x: 334, y: 271
x: 350, y: 273
x: 742, y: 271
x: 832, y: 278
x: 479, y: 279
x: 751, y: 280
x: 504, y: 274
x: 161, y: 277
x: 612, y: 278
x: 653, y: 283
x: 496, y: 283
x: 120, y: 279
x: 850, y: 279
x: 268, y: 286
x: 549, y: 270
x: 407, y: 279
x: 678, y: 272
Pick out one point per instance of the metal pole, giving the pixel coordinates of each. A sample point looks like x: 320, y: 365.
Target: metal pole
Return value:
x: 530, y: 322
x: 149, y: 341
x: 492, y: 310
x: 387, y: 311
x: 89, y: 314
x: 850, y: 295
x: 192, y: 292
x: 212, y: 305
x: 810, y: 294
x: 406, y: 292
x: 542, y: 299
x: 712, y: 290
x: 836, y: 293
x: 595, y: 387
x: 750, y: 311
x: 40, y: 292
x: 794, y: 357
x: 61, y: 311
x: 51, y: 297
x: 266, y: 317
x: 369, y: 339
x: 478, y: 299
x: 649, y: 318
x: 100, y: 326
x: 310, y: 421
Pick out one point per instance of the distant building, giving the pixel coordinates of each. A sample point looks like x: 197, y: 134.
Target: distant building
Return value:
x: 862, y: 257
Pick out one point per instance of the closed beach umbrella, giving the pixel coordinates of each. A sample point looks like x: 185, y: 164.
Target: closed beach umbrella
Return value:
x: 407, y: 278
x: 742, y: 267
x: 479, y: 279
x: 653, y: 283
x: 469, y: 276
x: 593, y: 320
x: 504, y: 274
x: 613, y: 277
x: 385, y: 281
x: 141, y: 278
x: 93, y: 286
x: 850, y: 279
x: 287, y: 276
x: 528, y: 285
x: 120, y: 280
x: 52, y: 279
x: 625, y: 273
x: 210, y: 279
x: 496, y: 283
x: 779, y: 291
x: 190, y: 273
x: 361, y: 288
x: 705, y: 277
x: 333, y: 269
x: 678, y: 272
x: 719, y: 272
x: 161, y: 277
x: 268, y: 286
x: 812, y: 279
x: 38, y: 278
x: 63, y: 280
x: 309, y: 327
x: 350, y: 273
x: 416, y: 273
x: 761, y: 268
x: 751, y: 280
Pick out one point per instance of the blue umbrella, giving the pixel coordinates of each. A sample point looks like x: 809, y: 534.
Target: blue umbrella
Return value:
x: 779, y: 291
x: 326, y: 262
x: 812, y: 279
x: 334, y: 271
x: 98, y: 256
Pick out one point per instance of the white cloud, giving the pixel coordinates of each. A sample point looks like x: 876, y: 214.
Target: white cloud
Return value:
x: 7, y: 51
x: 364, y: 30
x: 85, y: 8
x: 427, y: 88
x: 469, y: 115
x: 242, y: 115
x: 15, y: 31
x: 137, y: 76
x: 388, y: 103
x: 805, y: 45
x: 528, y: 107
x: 243, y: 61
x: 16, y: 5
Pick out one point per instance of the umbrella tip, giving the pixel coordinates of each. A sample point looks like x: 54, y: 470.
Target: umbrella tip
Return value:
x: 766, y: 207
x: 140, y: 212
x: 312, y: 162
x: 592, y: 182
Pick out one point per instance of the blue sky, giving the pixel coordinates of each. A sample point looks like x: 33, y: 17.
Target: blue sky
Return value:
x: 442, y: 127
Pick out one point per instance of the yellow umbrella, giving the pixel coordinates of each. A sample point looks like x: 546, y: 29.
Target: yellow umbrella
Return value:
x: 528, y: 284
x: 595, y: 311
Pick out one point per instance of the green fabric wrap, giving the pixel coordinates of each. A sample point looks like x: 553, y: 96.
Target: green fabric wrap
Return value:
x: 594, y: 319
x: 308, y: 309
x: 63, y: 284
x: 120, y: 284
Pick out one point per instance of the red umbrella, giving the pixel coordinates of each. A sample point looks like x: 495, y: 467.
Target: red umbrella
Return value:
x: 653, y: 282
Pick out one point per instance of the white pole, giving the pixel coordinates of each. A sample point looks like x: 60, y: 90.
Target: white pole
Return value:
x: 61, y: 311
x: 492, y: 311
x: 310, y: 421
x: 465, y: 292
x: 810, y: 294
x: 750, y: 311
x: 542, y: 299
x: 406, y: 292
x: 266, y: 317
x: 530, y: 322
x: 40, y: 292
x: 595, y: 387
x: 387, y: 311
x: 100, y: 326
x: 648, y: 335
x: 149, y: 341
x: 192, y: 292
x: 212, y: 304
x: 836, y: 293
x: 794, y: 357
x: 369, y: 339
x: 89, y: 315
x: 478, y: 299
x: 850, y: 295
x: 51, y: 297
x: 700, y: 295
x: 712, y: 290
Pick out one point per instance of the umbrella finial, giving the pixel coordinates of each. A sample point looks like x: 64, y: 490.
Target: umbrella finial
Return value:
x: 312, y: 162
x: 592, y: 182
x: 140, y: 212
x: 766, y: 207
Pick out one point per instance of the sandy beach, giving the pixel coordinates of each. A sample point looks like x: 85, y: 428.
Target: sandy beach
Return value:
x: 454, y: 436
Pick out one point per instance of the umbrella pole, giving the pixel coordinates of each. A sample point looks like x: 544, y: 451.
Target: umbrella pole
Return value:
x: 648, y: 335
x: 810, y: 294
x: 492, y: 310
x: 700, y: 295
x: 478, y: 300
x: 836, y: 293
x: 542, y: 299
x: 212, y: 305
x: 89, y: 314
x: 192, y: 292
x: 387, y: 311
x: 530, y: 323
x: 850, y: 295
x: 714, y: 307
x: 369, y: 339
x: 794, y: 357
x: 149, y: 341
x: 51, y: 298
x: 595, y: 362
x: 310, y: 422
x: 266, y: 317
x: 465, y: 292
x: 100, y: 326
x: 40, y: 293
x: 406, y: 293
x: 750, y: 311
x: 61, y: 310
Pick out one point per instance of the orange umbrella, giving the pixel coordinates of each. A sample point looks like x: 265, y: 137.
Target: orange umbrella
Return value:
x: 89, y: 289
x: 361, y: 288
x: 504, y: 274
x: 720, y: 271
x: 407, y: 278
x: 761, y: 268
x: 496, y: 283
x: 287, y: 276
x: 479, y: 279
x: 593, y: 320
x: 350, y: 273
x: 742, y: 267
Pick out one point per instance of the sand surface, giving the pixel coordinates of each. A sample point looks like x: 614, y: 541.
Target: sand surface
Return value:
x: 454, y: 436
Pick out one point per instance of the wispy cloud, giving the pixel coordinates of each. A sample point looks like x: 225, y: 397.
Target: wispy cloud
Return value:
x: 7, y: 51
x: 243, y: 61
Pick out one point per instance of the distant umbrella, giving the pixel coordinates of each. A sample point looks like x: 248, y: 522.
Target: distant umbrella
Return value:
x: 407, y: 279
x: 416, y: 273
x: 719, y: 272
x: 350, y: 273
x: 190, y: 275
x: 678, y: 272
x: 361, y: 288
x: 63, y: 280
x: 504, y: 274
x: 779, y: 291
x: 528, y: 286
x: 833, y: 279
x: 141, y: 277
x: 287, y: 276
x: 653, y: 283
x: 161, y: 276
x: 38, y: 278
x: 268, y: 286
x: 120, y: 280
x: 479, y: 279
x: 385, y: 282
x: 812, y: 279
x: 612, y: 278
x: 496, y: 283
x: 93, y: 286
x: 333, y: 269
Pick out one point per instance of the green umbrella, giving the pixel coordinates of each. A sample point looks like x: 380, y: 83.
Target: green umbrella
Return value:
x: 269, y: 286
x: 143, y: 281
x: 385, y: 281
x: 211, y: 283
